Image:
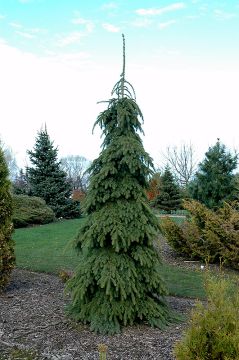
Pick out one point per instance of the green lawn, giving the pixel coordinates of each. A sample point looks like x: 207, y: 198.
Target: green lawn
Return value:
x: 177, y: 219
x: 48, y: 248
x: 182, y: 282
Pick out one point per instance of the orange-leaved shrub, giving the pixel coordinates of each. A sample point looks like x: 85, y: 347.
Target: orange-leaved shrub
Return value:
x: 206, y: 235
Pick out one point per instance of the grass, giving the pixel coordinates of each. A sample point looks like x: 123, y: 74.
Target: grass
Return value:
x: 183, y: 283
x: 48, y: 248
x: 177, y: 219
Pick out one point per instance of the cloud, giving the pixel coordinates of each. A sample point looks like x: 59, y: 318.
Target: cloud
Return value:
x: 204, y: 7
x: 38, y: 30
x: 25, y: 34
x: 109, y: 6
x: 142, y: 23
x: 160, y: 11
x: 72, y: 38
x: 78, y: 60
x: 47, y: 90
x: 166, y: 24
x: 192, y: 17
x: 75, y: 37
x: 2, y: 41
x: 166, y: 53
x: 223, y: 15
x: 2, y: 16
x: 89, y: 25
x: 15, y: 25
x: 110, y: 27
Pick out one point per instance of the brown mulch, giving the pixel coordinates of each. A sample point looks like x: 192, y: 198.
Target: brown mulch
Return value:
x: 32, y: 318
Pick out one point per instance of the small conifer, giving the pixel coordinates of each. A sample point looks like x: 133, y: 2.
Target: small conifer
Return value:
x: 118, y: 280
x: 169, y: 197
x: 7, y: 257
x: 215, y: 181
x: 47, y: 180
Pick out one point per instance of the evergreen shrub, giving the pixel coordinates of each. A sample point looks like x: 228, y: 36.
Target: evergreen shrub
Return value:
x: 29, y: 210
x: 7, y: 257
x: 183, y: 237
x: 206, y: 235
x: 118, y: 280
x: 213, y: 332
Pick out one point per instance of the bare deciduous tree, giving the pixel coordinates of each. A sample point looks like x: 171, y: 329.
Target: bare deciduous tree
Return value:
x: 10, y: 160
x: 75, y: 166
x: 182, y: 162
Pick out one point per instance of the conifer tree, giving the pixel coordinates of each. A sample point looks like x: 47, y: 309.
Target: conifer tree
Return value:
x: 118, y: 280
x: 7, y: 257
x: 215, y: 182
x: 20, y: 184
x: 169, y: 197
x: 47, y: 180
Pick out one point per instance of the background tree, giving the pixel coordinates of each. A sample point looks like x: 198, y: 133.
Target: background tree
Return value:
x: 182, y: 163
x: 117, y: 281
x: 237, y: 186
x: 47, y: 180
x: 169, y: 197
x: 214, y: 182
x: 75, y: 167
x: 21, y: 183
x: 10, y: 160
x: 153, y: 188
x: 7, y: 258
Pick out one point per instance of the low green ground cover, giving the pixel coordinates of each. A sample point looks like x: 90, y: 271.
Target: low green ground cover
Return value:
x: 183, y: 282
x: 48, y: 248
x: 178, y: 217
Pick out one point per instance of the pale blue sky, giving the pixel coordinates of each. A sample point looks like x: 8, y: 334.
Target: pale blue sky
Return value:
x: 204, y: 29
x: 59, y: 57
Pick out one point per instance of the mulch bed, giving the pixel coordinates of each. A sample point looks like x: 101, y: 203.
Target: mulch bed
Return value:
x: 32, y: 318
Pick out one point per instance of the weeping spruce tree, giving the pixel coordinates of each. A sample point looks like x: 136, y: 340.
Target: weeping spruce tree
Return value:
x: 7, y: 257
x: 118, y: 281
